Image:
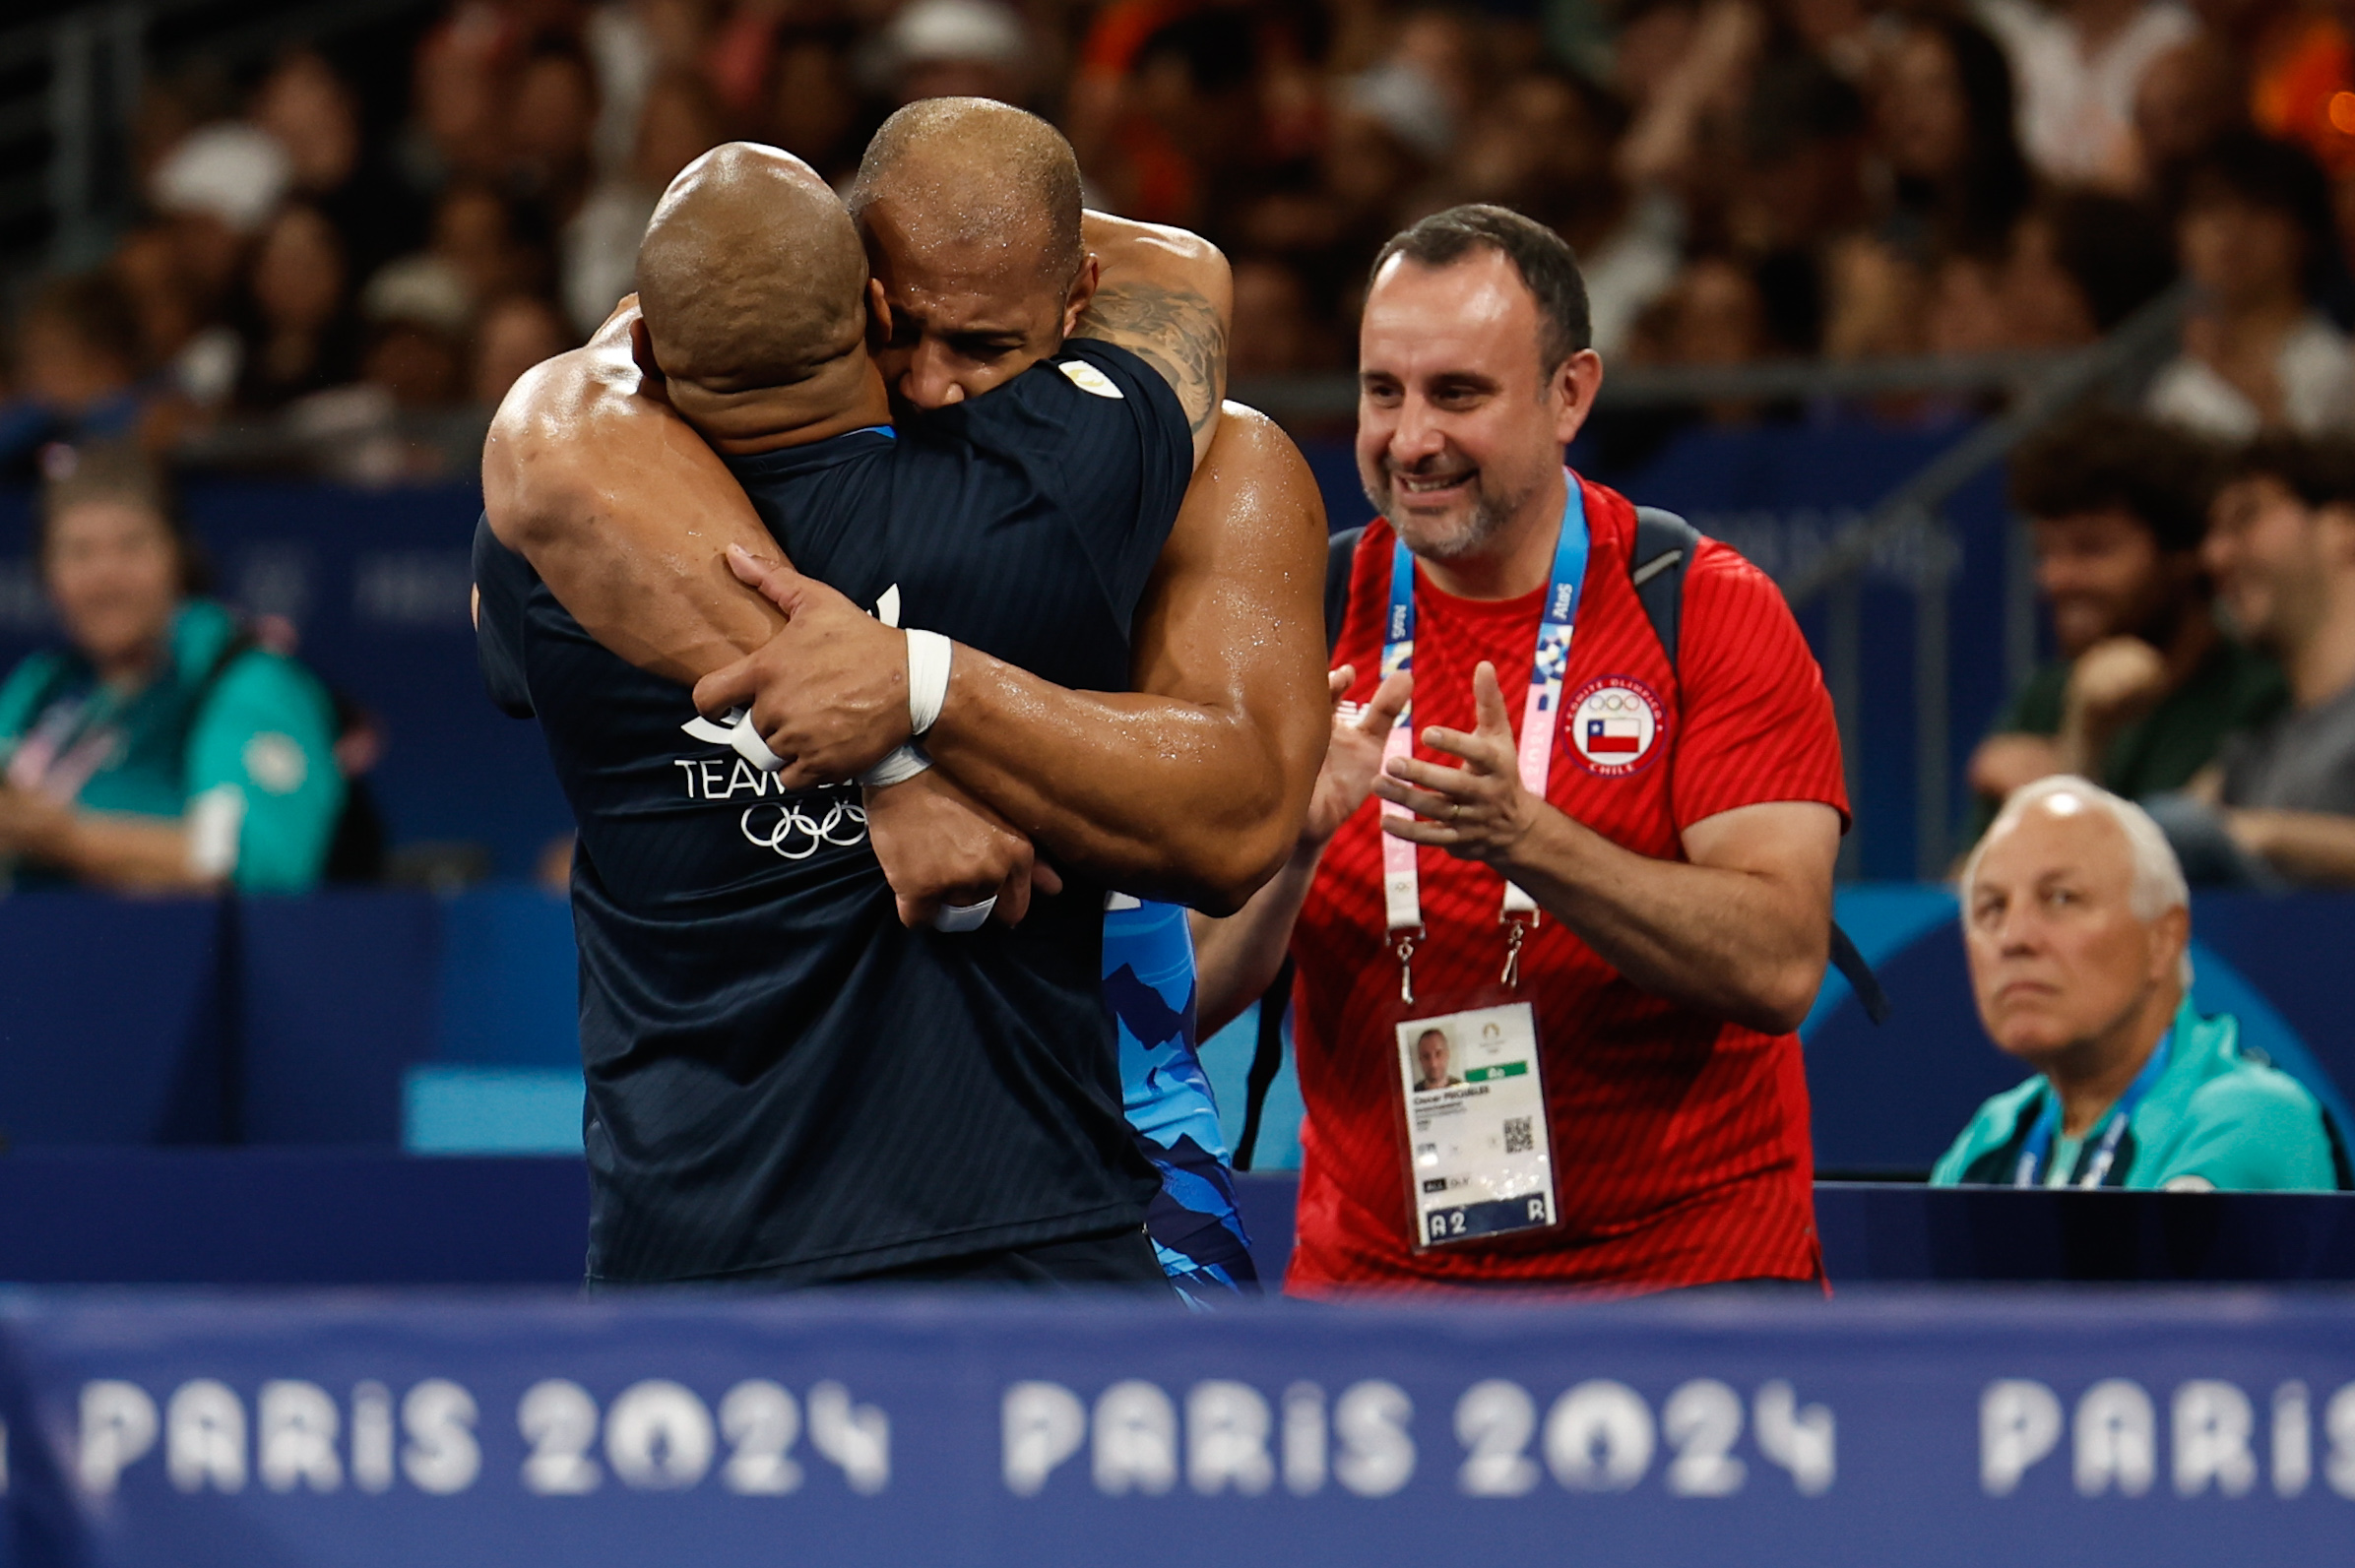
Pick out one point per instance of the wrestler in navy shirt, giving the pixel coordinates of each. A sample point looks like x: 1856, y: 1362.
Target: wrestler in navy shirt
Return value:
x: 784, y: 1082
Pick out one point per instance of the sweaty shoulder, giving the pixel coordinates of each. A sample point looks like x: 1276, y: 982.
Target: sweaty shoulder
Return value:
x: 1758, y: 720
x: 530, y: 471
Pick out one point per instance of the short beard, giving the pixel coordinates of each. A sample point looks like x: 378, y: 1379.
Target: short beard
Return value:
x: 1490, y: 516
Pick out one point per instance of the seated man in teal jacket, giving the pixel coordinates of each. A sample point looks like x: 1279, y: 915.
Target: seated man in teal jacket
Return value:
x: 160, y: 750
x: 2078, y: 925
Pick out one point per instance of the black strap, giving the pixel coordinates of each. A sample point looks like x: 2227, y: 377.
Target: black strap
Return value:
x: 2342, y: 1171
x: 1664, y: 548
x: 241, y: 642
x: 1341, y: 556
x: 1861, y: 979
x: 1267, y: 1059
x: 1665, y: 544
x: 1267, y: 1052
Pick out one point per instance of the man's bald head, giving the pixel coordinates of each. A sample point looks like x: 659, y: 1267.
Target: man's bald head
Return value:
x: 977, y: 181
x: 751, y: 274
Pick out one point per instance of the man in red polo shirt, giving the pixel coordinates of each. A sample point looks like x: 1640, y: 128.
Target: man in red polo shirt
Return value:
x: 1603, y: 875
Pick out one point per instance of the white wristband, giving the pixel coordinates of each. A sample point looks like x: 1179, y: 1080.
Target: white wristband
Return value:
x: 928, y: 679
x: 899, y: 765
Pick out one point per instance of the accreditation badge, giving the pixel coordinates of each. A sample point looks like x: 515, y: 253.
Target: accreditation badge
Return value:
x: 1478, y: 1160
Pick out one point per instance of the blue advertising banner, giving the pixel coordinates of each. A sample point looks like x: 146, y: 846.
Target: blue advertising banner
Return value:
x: 1901, y: 1430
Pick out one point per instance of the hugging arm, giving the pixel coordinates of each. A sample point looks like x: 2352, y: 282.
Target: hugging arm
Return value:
x: 624, y: 511
x: 1193, y: 786
x: 1189, y: 788
x: 627, y: 516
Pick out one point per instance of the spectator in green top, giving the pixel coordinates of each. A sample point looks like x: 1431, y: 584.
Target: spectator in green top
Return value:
x: 2147, y: 686
x: 2077, y: 926
x: 160, y: 750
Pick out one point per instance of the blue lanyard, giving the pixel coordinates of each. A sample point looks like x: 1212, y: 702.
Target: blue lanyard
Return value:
x: 1541, y: 715
x: 2105, y: 1154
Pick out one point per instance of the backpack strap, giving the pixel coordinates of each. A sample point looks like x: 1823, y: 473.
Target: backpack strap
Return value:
x: 1861, y: 979
x: 2342, y: 1171
x: 1341, y: 557
x: 1665, y: 544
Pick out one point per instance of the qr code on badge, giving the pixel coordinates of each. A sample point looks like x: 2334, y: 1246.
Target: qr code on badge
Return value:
x: 1518, y: 1140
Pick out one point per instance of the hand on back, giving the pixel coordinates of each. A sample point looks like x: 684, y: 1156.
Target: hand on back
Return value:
x: 829, y: 694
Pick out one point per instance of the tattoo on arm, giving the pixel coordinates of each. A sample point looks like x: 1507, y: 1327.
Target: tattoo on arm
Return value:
x: 1176, y: 331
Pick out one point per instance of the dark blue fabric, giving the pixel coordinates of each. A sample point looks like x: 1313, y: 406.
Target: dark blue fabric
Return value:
x: 784, y: 1082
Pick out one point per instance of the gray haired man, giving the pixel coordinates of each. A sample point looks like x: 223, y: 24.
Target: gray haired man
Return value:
x: 2078, y: 925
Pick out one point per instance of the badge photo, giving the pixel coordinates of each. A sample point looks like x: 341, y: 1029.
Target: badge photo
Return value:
x: 1478, y: 1162
x: 1615, y: 726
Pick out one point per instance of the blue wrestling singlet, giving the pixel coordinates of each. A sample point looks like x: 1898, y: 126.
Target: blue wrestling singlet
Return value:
x: 1149, y: 986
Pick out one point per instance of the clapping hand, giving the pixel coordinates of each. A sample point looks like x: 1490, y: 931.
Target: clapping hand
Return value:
x: 1353, y: 756
x: 1477, y: 811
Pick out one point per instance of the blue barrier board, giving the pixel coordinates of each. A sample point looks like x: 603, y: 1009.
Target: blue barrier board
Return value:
x: 1902, y: 1429
x: 273, y: 1217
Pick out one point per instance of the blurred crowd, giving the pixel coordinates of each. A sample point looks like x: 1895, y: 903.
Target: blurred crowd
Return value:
x: 1741, y: 179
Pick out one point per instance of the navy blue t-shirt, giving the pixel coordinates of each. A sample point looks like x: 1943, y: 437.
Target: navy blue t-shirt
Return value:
x: 784, y: 1082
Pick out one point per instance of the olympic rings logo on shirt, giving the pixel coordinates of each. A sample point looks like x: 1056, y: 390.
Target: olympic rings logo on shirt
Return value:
x: 1615, y: 723
x: 796, y: 835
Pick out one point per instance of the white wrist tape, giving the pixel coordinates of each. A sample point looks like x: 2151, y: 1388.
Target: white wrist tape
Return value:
x: 963, y: 917
x: 928, y: 679
x: 898, y: 765
x: 749, y: 744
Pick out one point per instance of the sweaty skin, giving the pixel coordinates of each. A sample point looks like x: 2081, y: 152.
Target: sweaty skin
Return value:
x: 1189, y: 788
x: 1174, y: 790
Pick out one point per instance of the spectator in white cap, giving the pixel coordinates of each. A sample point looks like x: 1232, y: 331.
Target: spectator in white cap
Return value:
x: 217, y: 188
x: 958, y: 49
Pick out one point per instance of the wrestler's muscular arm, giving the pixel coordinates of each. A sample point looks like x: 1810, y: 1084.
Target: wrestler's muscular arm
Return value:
x: 1196, y: 791
x: 578, y: 450
x: 1192, y: 787
x: 624, y: 510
